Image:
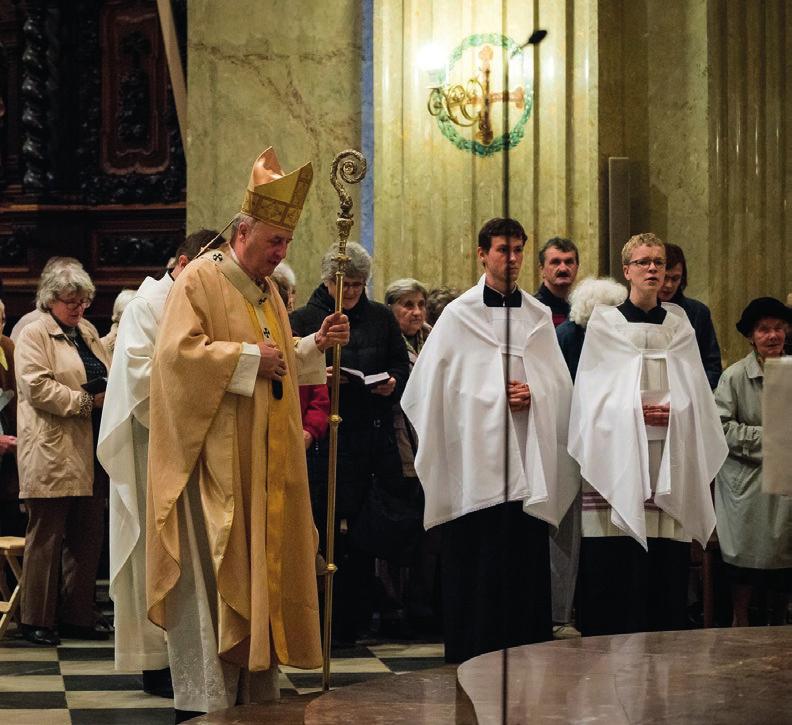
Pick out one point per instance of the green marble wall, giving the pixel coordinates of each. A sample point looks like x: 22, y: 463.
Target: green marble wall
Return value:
x: 278, y: 73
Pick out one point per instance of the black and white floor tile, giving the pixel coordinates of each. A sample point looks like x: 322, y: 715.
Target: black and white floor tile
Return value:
x: 77, y: 683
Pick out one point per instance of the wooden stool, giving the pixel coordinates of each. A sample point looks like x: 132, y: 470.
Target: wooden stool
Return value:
x: 12, y: 548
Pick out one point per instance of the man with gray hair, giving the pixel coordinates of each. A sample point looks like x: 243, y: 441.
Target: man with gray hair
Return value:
x: 230, y: 543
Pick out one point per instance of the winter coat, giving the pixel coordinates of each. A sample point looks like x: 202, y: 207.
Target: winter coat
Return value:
x: 699, y: 315
x: 55, y: 440
x: 754, y: 528
x: 366, y: 440
x: 9, y: 483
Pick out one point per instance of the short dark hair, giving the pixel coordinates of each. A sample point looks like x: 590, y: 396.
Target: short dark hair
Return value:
x: 675, y: 256
x: 195, y: 242
x: 436, y: 301
x: 562, y: 245
x: 499, y: 227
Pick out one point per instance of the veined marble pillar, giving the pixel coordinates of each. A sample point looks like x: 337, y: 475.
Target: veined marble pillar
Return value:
x: 277, y: 73
x: 434, y: 186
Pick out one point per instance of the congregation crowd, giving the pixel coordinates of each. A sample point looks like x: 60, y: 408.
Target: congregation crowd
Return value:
x: 590, y: 524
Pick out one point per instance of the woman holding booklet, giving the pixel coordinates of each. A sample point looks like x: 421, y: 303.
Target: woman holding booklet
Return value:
x: 368, y: 457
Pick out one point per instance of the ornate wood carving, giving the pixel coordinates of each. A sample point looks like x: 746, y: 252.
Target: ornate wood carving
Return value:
x: 14, y: 246
x: 134, y: 135
x: 91, y: 162
x: 137, y: 250
x: 34, y: 100
x: 129, y: 149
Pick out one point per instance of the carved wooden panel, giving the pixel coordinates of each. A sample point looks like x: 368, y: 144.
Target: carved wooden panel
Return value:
x: 129, y: 149
x: 134, y: 136
x: 91, y: 161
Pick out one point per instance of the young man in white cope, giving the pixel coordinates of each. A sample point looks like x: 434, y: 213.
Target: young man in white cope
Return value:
x: 646, y: 433
x: 475, y: 393
x: 123, y: 452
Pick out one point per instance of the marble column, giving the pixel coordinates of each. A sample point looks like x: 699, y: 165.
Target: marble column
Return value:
x: 280, y: 74
x: 431, y: 195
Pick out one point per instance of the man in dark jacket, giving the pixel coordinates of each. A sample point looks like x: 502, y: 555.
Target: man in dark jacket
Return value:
x: 367, y: 449
x: 698, y: 313
x: 558, y: 267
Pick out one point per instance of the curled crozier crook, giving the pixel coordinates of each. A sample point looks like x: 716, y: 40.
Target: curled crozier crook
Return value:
x: 350, y: 165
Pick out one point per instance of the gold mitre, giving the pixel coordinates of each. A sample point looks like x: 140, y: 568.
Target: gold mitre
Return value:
x: 274, y: 197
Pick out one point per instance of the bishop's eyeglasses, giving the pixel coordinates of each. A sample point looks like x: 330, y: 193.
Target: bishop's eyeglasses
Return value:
x: 644, y: 263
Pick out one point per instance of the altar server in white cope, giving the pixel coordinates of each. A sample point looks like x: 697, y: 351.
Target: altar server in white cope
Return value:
x: 123, y: 452
x: 646, y: 433
x: 478, y: 394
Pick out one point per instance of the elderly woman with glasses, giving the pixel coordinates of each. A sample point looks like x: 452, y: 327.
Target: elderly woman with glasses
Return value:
x: 60, y: 482
x: 367, y: 452
x: 754, y: 527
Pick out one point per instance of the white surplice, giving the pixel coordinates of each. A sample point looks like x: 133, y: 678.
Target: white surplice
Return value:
x: 123, y: 452
x: 456, y: 400
x: 608, y: 436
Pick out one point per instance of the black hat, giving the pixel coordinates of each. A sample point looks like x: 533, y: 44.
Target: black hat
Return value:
x: 759, y: 308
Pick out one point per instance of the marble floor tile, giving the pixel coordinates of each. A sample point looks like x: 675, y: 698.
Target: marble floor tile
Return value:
x: 105, y: 682
x: 29, y: 700
x: 351, y: 664
x: 23, y: 669
x: 130, y: 716
x: 408, y: 650
x: 311, y: 682
x: 28, y: 654
x: 411, y: 664
x: 36, y: 717
x: 85, y: 644
x: 31, y: 683
x: 86, y: 653
x: 98, y: 699
x: 90, y: 667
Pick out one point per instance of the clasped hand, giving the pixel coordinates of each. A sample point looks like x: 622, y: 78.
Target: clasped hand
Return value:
x: 271, y: 363
x: 656, y: 414
x: 519, y: 396
x: 7, y: 444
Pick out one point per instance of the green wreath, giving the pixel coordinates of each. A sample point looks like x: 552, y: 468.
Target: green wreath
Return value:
x: 447, y: 127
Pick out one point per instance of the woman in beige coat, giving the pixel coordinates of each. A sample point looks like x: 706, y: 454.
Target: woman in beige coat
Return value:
x: 56, y: 441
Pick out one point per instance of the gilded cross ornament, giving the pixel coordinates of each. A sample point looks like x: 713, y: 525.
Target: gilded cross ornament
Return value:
x: 477, y: 102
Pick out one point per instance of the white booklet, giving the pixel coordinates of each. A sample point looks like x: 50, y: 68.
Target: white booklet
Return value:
x: 370, y: 381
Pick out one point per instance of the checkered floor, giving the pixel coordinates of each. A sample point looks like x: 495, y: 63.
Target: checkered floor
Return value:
x: 76, y: 682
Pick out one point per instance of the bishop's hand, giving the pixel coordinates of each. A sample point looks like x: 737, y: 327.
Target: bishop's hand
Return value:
x: 334, y: 331
x: 271, y: 364
x: 519, y: 396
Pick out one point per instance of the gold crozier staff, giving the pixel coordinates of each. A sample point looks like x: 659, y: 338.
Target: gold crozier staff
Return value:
x: 351, y: 166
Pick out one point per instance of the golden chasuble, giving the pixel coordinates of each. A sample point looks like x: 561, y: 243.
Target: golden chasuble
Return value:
x: 249, y: 456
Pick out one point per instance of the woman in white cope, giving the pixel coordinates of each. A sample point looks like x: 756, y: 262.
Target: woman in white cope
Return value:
x: 644, y: 428
x: 754, y: 527
x: 471, y: 398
